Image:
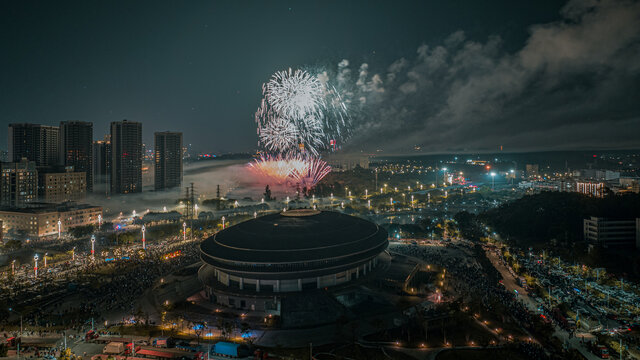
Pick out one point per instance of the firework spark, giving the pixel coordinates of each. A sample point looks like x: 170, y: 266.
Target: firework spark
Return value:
x: 278, y: 135
x: 299, y: 116
x: 295, y: 94
x: 314, y: 170
x: 291, y: 170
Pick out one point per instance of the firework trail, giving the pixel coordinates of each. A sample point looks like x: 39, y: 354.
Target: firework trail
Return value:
x: 312, y: 173
x: 278, y: 135
x: 291, y: 170
x: 295, y: 94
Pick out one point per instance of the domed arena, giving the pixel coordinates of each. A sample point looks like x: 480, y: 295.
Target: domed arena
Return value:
x: 254, y: 264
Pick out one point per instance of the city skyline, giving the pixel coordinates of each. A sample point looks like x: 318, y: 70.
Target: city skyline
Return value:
x: 434, y: 76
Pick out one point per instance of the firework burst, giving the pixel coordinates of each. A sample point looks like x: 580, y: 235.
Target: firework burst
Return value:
x: 278, y: 135
x: 300, y: 115
x: 295, y: 94
x: 290, y: 170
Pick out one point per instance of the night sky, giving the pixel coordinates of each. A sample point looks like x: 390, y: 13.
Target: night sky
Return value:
x: 445, y: 76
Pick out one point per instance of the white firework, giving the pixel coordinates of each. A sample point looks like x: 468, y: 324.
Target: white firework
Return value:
x: 295, y: 94
x: 279, y: 134
x: 301, y: 114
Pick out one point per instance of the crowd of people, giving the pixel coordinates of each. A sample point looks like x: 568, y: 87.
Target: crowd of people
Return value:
x: 471, y: 277
x: 104, y: 286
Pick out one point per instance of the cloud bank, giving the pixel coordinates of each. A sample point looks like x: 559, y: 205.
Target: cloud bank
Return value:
x: 574, y: 84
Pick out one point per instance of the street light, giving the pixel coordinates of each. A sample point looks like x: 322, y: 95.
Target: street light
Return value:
x: 223, y: 219
x: 35, y: 267
x: 73, y: 254
x: 184, y: 231
x: 99, y: 221
x: 144, y: 238
x: 493, y: 180
x: 59, y: 227
x: 45, y: 259
x: 93, y: 247
x: 196, y: 210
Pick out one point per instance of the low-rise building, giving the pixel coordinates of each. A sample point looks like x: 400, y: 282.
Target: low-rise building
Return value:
x: 345, y: 162
x: 42, y: 219
x: 595, y: 189
x: 612, y: 232
x: 61, y: 184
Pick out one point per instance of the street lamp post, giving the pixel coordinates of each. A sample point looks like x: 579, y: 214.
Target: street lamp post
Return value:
x: 196, y: 210
x: 184, y: 231
x: 93, y: 248
x: 59, y: 228
x: 223, y: 219
x: 73, y: 254
x: 35, y: 266
x: 99, y: 221
x: 45, y: 259
x: 144, y: 238
x: 493, y: 180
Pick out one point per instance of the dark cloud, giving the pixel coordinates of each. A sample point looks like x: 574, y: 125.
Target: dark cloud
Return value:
x: 574, y: 84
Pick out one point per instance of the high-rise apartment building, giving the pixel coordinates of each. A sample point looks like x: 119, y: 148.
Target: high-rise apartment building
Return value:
x: 168, y: 160
x: 18, y: 183
x: 126, y: 157
x: 35, y: 142
x: 76, y: 148
x: 102, y: 165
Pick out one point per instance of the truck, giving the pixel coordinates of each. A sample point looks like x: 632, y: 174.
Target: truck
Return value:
x: 164, y: 342
x: 90, y: 335
x: 228, y: 349
x: 113, y: 348
x: 186, y: 346
x: 602, y: 352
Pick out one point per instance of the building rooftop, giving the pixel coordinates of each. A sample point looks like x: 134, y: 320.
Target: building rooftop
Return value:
x: 296, y: 236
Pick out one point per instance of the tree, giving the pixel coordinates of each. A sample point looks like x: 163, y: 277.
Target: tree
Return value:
x: 13, y: 244
x: 267, y: 193
x: 81, y: 231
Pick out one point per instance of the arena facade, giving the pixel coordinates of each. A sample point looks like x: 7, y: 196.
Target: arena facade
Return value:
x: 254, y: 264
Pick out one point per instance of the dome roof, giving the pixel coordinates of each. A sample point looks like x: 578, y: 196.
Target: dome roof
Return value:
x: 295, y: 236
